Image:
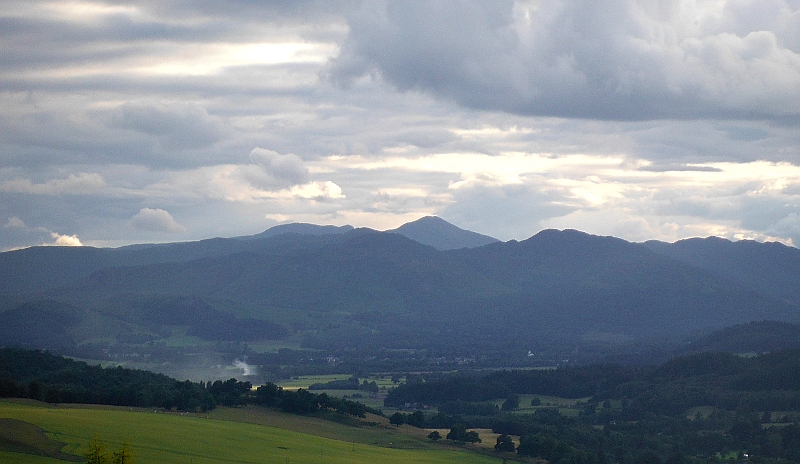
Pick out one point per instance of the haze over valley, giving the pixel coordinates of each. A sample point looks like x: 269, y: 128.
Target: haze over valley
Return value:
x: 331, y: 298
x: 327, y: 231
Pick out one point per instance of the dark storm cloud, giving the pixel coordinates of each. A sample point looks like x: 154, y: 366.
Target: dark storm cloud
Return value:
x: 613, y: 60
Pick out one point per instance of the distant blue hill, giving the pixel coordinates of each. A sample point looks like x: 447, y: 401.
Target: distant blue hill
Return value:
x: 429, y: 230
x: 348, y: 288
x: 770, y: 268
x: 442, y: 235
x: 301, y: 228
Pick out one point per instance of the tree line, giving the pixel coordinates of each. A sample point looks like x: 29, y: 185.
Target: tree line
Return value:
x: 698, y: 408
x: 42, y: 376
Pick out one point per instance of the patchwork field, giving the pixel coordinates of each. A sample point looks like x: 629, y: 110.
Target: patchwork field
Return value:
x: 158, y: 437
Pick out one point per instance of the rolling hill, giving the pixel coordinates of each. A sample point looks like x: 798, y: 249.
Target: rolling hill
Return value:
x: 338, y: 288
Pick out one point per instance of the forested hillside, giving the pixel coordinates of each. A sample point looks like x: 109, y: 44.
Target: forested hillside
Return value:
x: 691, y: 409
x: 42, y: 376
x: 557, y: 297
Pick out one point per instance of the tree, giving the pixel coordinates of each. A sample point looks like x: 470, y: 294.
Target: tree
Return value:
x: 268, y: 394
x: 472, y: 437
x: 368, y: 386
x: 511, y: 403
x: 648, y: 457
x: 416, y: 419
x: 505, y: 444
x: 458, y: 432
x: 299, y: 402
x: 34, y: 390
x: 397, y: 418
x: 96, y: 452
x: 123, y: 456
x: 434, y: 436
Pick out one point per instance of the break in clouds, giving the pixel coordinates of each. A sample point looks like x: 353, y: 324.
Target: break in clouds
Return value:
x: 162, y: 121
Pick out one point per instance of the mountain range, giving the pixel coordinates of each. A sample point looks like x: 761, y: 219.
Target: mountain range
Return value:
x: 426, y: 284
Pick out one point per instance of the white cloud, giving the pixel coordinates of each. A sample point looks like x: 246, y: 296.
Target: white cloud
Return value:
x: 789, y: 226
x: 177, y: 126
x: 210, y: 59
x: 312, y: 190
x: 64, y: 240
x: 156, y: 220
x: 74, y: 184
x: 14, y: 223
x: 615, y: 60
x: 109, y: 107
x: 279, y: 169
x: 606, y: 195
x: 248, y: 183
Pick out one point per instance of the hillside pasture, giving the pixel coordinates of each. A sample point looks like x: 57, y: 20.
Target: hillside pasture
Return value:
x: 370, y: 399
x: 159, y: 437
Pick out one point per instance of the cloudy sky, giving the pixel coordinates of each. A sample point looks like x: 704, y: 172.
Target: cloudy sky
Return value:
x: 130, y: 121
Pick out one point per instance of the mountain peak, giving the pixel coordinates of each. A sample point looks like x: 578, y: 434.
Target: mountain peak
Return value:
x: 440, y: 234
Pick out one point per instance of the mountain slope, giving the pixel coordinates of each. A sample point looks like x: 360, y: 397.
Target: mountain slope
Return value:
x: 393, y: 290
x: 37, y: 269
x: 576, y: 283
x: 754, y: 337
x: 769, y: 268
x: 442, y: 235
x: 301, y: 228
x: 359, y: 287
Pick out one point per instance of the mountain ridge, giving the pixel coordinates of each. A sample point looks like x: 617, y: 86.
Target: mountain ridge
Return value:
x: 21, y: 273
x: 343, y: 287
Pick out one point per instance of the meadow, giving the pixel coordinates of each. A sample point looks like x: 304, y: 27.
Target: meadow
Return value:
x: 161, y: 437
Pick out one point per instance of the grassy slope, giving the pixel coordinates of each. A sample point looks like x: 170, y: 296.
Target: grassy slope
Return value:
x: 17, y: 458
x: 25, y: 438
x: 174, y: 438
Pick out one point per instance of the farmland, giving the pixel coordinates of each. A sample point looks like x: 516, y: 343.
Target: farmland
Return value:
x: 158, y: 437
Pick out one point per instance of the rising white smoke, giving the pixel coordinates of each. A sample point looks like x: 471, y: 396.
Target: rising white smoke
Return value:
x: 246, y: 368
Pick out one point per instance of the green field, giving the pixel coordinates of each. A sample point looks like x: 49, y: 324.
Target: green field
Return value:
x: 304, y: 381
x: 158, y: 437
x: 566, y: 406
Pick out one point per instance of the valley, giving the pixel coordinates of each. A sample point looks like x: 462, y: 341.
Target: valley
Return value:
x: 308, y: 299
x: 562, y: 346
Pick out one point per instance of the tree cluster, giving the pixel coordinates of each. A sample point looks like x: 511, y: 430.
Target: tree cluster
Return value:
x: 696, y: 408
x: 459, y: 432
x: 97, y: 453
x: 236, y: 393
x: 347, y: 384
x: 42, y: 376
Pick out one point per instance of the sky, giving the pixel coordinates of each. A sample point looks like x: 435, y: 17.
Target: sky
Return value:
x: 137, y: 121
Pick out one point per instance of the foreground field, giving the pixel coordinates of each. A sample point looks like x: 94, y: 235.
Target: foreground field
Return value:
x: 159, y: 437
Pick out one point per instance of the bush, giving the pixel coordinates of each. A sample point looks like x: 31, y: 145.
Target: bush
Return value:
x: 505, y: 444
